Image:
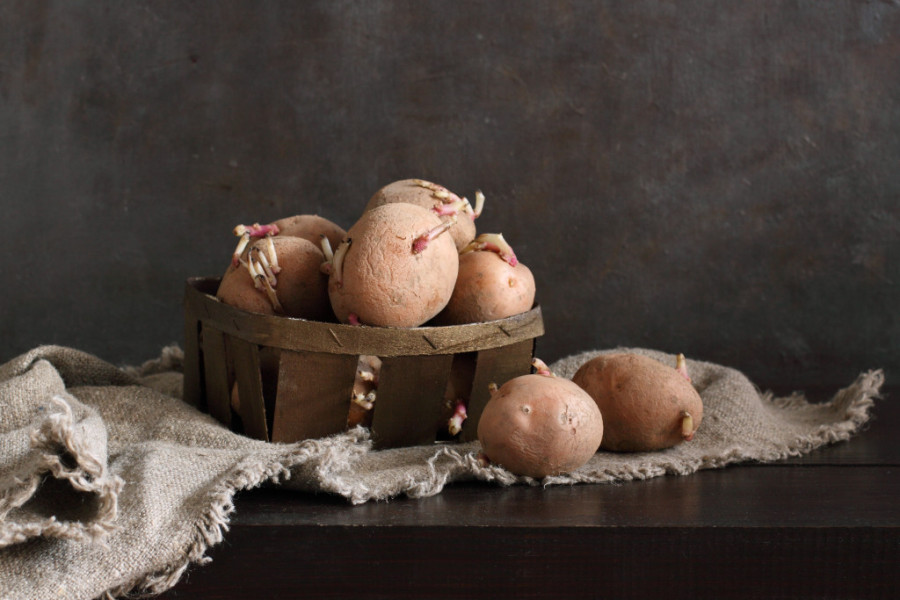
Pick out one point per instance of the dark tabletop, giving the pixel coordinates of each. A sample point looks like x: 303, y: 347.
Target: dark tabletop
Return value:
x: 821, y: 526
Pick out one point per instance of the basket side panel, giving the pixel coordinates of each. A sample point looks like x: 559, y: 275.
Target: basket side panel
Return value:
x: 192, y: 390
x: 252, y: 407
x: 496, y: 365
x: 217, y: 374
x: 410, y: 394
x: 313, y: 397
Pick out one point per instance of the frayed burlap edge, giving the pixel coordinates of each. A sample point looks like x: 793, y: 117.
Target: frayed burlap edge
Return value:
x: 428, y: 470
x: 856, y: 400
x: 62, y: 453
x: 171, y: 358
x: 210, y: 527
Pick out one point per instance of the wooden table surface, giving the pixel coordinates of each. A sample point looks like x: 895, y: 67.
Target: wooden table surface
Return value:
x: 826, y: 525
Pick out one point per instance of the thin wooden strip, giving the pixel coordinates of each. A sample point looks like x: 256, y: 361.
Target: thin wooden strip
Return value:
x: 495, y: 365
x: 410, y: 393
x: 192, y: 383
x: 252, y: 407
x: 313, y: 397
x: 300, y: 334
x: 216, y: 375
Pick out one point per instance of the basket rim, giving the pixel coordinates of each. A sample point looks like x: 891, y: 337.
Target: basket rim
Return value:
x: 292, y: 333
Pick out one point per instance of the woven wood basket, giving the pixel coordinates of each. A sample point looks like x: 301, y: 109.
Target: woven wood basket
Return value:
x: 294, y: 377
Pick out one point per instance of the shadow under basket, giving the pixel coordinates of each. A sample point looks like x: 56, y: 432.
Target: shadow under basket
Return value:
x: 283, y: 379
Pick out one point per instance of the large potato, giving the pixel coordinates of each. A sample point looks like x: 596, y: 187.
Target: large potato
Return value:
x: 646, y: 405
x: 392, y: 271
x: 540, y: 425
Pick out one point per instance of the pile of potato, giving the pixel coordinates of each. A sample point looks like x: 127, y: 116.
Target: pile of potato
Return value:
x: 412, y: 258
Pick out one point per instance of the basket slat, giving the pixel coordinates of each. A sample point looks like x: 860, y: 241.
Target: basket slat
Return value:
x: 249, y: 383
x: 192, y: 391
x: 410, y: 394
x: 215, y: 368
x: 313, y: 397
x: 495, y: 365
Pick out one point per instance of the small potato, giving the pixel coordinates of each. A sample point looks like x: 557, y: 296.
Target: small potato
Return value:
x: 312, y: 228
x: 309, y: 227
x: 488, y: 288
x: 397, y: 268
x: 540, y: 425
x: 646, y: 405
x: 293, y: 286
x: 433, y: 197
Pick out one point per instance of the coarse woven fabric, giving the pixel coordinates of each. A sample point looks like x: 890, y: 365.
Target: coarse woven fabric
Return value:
x: 111, y: 485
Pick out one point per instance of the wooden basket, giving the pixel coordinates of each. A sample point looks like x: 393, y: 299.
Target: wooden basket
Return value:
x: 308, y: 394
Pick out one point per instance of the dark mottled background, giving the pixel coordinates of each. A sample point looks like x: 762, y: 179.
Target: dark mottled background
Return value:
x: 720, y: 179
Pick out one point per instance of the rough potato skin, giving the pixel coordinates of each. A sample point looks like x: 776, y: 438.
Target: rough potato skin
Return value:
x: 312, y: 228
x: 383, y: 282
x: 488, y: 288
x: 236, y: 289
x: 410, y: 192
x: 302, y: 288
x: 537, y: 425
x: 642, y: 401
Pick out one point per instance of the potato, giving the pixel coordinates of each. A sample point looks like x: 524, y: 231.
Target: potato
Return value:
x: 646, y: 405
x: 294, y: 285
x: 433, y: 197
x: 487, y: 288
x: 310, y: 227
x: 395, y: 269
x: 540, y: 425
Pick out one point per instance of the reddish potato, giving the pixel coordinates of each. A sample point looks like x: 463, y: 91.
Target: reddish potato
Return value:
x: 280, y: 275
x: 540, y: 425
x: 395, y: 269
x: 436, y: 198
x: 492, y: 284
x: 646, y: 404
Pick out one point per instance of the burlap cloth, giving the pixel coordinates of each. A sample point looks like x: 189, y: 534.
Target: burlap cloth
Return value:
x: 109, y: 484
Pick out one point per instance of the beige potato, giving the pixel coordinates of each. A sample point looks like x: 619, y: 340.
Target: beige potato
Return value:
x: 312, y: 228
x: 297, y: 289
x: 308, y: 227
x: 433, y: 197
x: 397, y: 268
x: 488, y: 288
x: 540, y: 425
x: 646, y: 405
